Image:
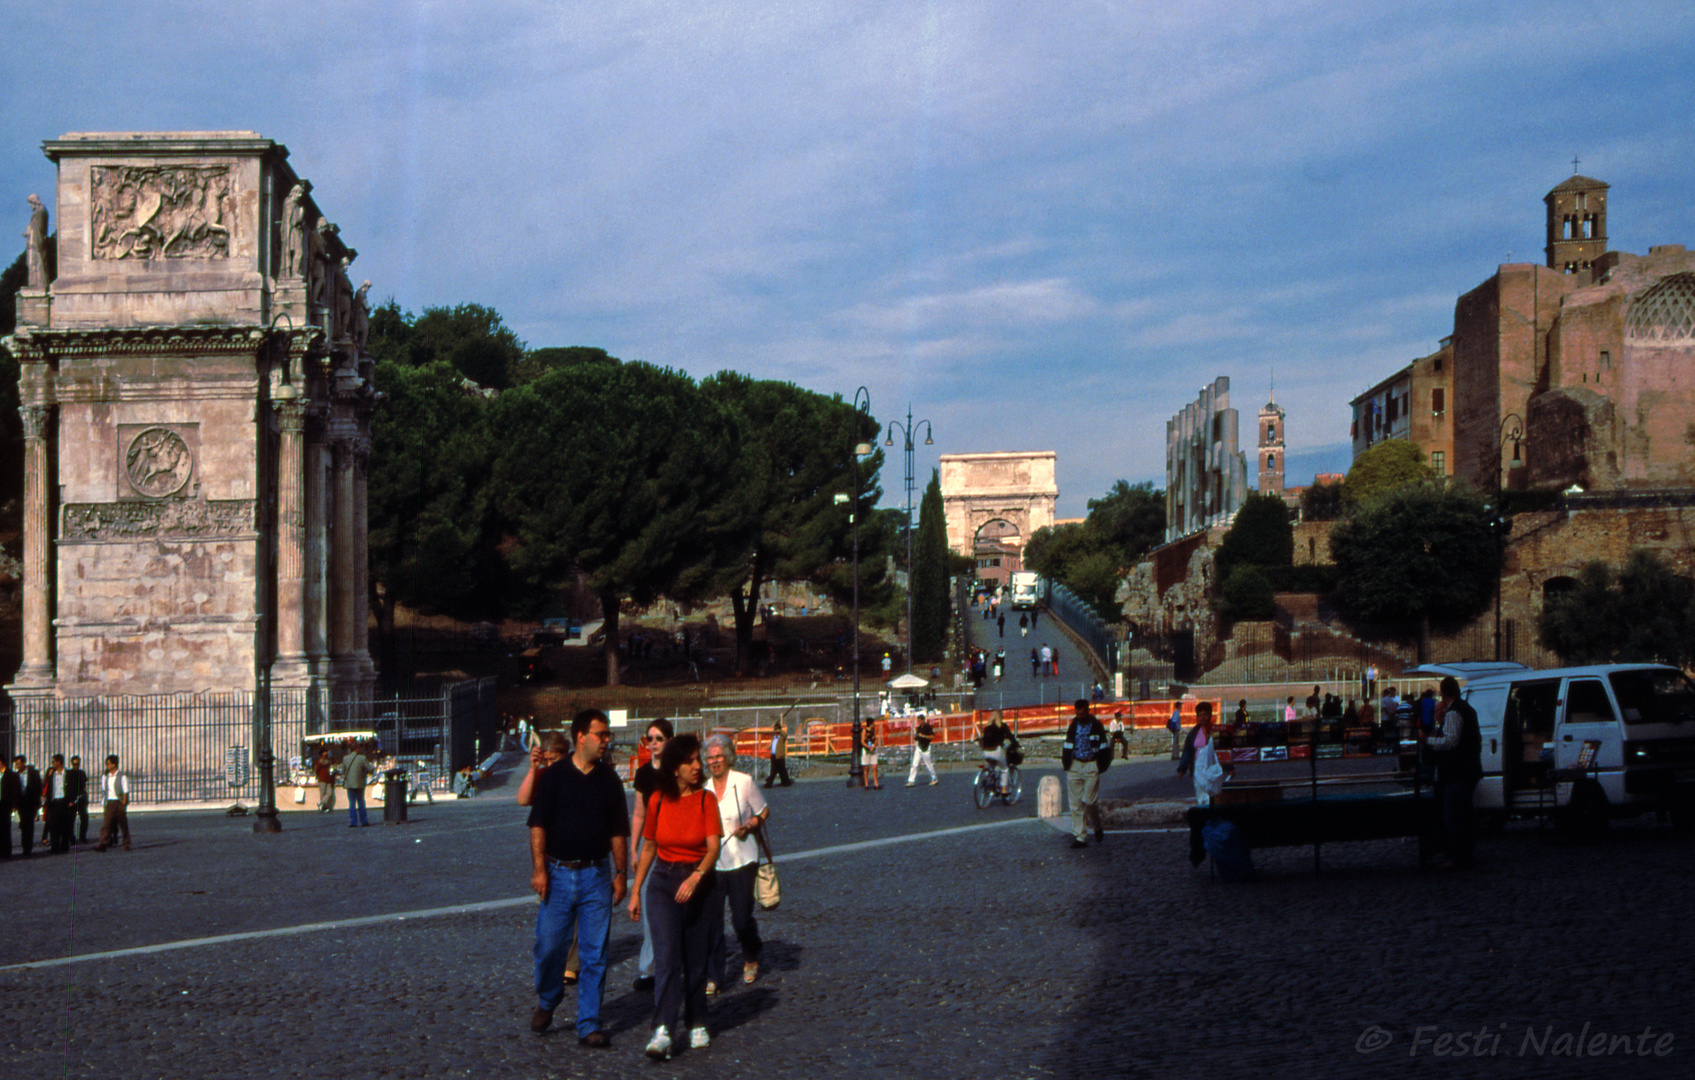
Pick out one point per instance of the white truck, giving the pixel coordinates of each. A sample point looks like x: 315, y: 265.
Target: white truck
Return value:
x: 1581, y: 744
x: 1024, y: 584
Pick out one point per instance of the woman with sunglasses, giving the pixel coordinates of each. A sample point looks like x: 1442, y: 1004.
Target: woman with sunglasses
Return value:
x: 646, y: 782
x: 674, y: 884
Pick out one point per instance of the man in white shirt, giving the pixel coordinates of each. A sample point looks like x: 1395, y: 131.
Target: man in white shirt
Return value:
x: 114, y: 797
x: 56, y: 790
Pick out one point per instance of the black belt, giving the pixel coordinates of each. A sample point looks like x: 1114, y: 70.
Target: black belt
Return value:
x: 581, y: 864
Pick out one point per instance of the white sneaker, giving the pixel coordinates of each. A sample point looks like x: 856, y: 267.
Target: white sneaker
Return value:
x: 699, y: 1039
x: 909, y: 783
x: 659, y: 1047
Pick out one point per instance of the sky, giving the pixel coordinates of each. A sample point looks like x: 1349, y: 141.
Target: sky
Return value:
x: 1040, y: 226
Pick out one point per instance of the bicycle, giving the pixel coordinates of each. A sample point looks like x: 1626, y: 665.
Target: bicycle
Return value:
x: 988, y: 786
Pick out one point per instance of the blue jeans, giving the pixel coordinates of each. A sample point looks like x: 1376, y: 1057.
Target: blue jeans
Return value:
x: 579, y: 900
x: 356, y: 807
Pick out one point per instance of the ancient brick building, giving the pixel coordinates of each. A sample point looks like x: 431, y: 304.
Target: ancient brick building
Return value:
x: 1272, y: 441
x: 196, y: 402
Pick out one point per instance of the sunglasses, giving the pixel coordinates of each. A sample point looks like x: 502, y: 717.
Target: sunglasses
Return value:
x: 656, y: 738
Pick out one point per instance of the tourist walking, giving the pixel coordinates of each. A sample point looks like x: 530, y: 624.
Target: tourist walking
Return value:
x: 869, y: 740
x: 741, y: 810
x: 579, y: 837
x: 324, y: 773
x: 1000, y: 624
x: 674, y: 883
x: 1000, y: 662
x: 355, y: 774
x: 1084, y: 755
x: 646, y: 782
x: 114, y: 800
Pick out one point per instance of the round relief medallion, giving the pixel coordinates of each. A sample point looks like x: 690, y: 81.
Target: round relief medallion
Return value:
x: 158, y: 463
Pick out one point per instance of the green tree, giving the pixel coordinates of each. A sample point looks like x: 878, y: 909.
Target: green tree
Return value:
x: 432, y: 537
x: 931, y: 602
x: 1323, y: 502
x: 1386, y: 467
x: 1260, y: 536
x: 1130, y: 519
x: 797, y: 457
x: 538, y: 362
x: 1420, y: 554
x: 1248, y: 593
x: 472, y: 338
x: 625, y: 473
x: 1645, y: 613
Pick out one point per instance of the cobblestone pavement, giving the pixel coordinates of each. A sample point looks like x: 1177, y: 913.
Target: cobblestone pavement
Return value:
x: 989, y: 952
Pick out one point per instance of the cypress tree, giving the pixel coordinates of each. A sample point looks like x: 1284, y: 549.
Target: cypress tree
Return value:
x: 929, y: 583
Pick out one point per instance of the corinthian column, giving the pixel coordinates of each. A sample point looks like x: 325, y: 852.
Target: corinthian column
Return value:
x: 343, y: 575
x: 37, y: 670
x: 290, y: 665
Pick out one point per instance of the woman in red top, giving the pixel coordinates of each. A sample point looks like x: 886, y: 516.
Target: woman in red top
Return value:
x: 679, y: 849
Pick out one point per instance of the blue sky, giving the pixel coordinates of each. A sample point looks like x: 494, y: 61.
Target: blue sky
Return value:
x: 1043, y: 225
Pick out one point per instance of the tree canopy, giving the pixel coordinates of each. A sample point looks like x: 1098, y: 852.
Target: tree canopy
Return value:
x: 1091, y: 558
x: 1261, y: 535
x: 1421, y: 554
x: 1644, y: 612
x: 1386, y: 467
x: 931, y: 602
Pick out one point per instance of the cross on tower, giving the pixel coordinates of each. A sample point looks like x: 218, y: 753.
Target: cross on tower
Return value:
x: 1574, y: 164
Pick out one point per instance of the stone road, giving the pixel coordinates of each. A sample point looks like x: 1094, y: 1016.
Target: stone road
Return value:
x: 988, y: 952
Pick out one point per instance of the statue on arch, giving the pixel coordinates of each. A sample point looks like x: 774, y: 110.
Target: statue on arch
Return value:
x: 35, y: 241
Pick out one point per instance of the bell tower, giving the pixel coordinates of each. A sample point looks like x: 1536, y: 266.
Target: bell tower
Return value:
x: 1577, y: 224
x: 1271, y: 437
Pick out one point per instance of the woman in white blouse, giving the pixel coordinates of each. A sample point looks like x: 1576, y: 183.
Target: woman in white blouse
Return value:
x: 742, y: 809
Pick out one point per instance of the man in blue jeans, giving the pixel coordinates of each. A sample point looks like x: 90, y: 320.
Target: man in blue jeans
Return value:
x: 579, y: 857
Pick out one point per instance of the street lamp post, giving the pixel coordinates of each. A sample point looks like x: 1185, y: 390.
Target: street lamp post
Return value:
x: 906, y: 431
x: 861, y: 407
x: 1512, y: 427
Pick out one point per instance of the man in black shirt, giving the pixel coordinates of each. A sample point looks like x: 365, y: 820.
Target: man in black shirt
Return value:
x: 28, y: 804
x: 579, y: 856
x: 921, y: 736
x: 76, y: 781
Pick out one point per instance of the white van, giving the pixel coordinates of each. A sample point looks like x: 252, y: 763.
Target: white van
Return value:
x: 1024, y: 584
x: 1585, y: 743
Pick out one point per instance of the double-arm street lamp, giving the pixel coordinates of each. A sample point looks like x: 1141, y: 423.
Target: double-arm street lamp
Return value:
x: 906, y: 431
x: 1512, y: 427
x: 861, y: 407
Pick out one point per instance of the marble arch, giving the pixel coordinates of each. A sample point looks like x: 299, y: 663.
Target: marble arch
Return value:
x: 1017, y: 487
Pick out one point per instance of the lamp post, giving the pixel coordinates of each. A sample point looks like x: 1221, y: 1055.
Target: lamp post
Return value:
x: 861, y: 407
x: 906, y: 432
x: 1512, y: 427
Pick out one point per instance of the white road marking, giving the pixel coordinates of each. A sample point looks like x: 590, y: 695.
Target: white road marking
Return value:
x: 460, y: 909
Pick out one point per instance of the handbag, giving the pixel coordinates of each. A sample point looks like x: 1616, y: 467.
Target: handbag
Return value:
x: 1209, y: 774
x: 766, y: 892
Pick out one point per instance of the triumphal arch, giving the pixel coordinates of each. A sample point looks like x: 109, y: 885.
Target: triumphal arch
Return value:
x: 996, y: 502
x: 196, y: 401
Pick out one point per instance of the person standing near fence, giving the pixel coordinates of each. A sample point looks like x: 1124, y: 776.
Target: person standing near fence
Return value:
x: 355, y: 774
x: 10, y: 792
x: 779, y: 755
x: 921, y: 738
x: 56, y: 788
x: 28, y: 803
x: 114, y: 800
x: 77, y: 781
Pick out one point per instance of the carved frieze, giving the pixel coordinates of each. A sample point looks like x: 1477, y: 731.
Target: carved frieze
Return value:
x: 174, y: 519
x: 162, y: 211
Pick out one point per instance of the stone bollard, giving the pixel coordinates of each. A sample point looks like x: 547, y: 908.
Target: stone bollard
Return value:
x: 1050, y: 797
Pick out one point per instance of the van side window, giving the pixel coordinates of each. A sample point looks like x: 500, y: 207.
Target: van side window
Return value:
x: 1536, y: 702
x: 1587, y: 703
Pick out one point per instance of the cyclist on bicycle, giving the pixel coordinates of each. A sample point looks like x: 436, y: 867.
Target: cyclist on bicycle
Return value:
x: 997, y: 739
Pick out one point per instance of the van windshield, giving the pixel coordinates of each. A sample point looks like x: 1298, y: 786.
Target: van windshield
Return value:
x: 1654, y: 696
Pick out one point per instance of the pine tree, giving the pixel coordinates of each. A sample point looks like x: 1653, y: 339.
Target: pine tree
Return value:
x: 929, y: 583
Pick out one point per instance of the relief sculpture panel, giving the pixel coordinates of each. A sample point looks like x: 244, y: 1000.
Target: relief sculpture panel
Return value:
x: 119, y: 522
x: 161, y: 212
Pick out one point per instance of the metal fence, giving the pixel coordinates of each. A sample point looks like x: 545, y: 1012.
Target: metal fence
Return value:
x: 1082, y: 621
x: 200, y: 747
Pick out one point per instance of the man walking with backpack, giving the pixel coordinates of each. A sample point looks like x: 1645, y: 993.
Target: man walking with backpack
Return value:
x: 1086, y: 753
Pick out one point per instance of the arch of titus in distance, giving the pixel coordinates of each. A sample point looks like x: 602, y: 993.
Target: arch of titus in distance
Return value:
x: 196, y: 402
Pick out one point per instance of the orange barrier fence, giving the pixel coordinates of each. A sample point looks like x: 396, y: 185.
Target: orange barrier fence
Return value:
x: 818, y: 738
